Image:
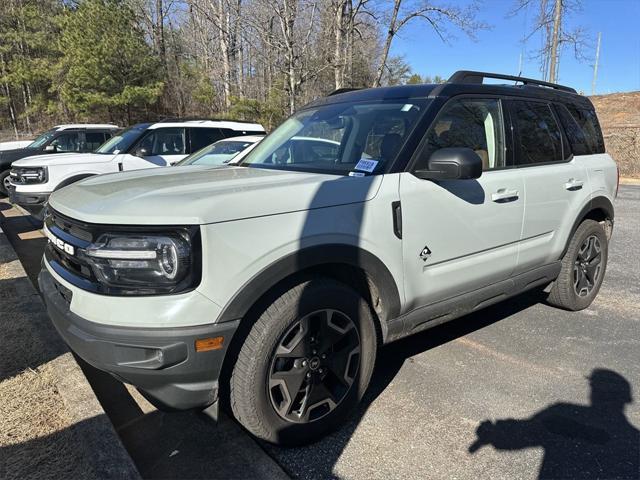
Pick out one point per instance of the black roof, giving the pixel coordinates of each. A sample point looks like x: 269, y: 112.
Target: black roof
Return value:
x: 462, y: 82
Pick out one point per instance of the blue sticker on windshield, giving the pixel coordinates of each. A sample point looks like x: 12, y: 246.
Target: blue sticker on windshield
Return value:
x: 366, y: 165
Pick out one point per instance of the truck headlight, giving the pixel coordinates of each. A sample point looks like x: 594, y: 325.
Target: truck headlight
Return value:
x: 155, y: 263
x: 28, y: 175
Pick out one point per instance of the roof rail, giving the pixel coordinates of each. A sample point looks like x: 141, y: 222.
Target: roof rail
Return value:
x: 343, y: 90
x: 468, y: 76
x: 201, y: 119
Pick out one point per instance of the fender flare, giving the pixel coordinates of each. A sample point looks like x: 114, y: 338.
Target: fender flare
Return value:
x: 596, y: 203
x: 74, y: 179
x: 310, y: 257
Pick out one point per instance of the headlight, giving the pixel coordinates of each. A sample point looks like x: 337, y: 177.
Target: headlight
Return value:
x: 28, y: 175
x: 153, y: 263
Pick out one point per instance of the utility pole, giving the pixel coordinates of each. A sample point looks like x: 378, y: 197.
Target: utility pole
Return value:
x: 555, y: 41
x: 595, y: 67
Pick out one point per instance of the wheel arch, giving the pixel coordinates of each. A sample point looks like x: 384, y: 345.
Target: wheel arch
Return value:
x: 601, y: 210
x: 73, y: 179
x: 352, y: 265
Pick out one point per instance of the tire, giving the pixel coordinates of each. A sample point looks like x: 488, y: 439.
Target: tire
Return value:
x: 3, y: 178
x: 570, y: 291
x: 260, y: 400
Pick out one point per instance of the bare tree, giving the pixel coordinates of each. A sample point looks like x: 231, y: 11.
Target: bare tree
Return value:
x: 439, y: 16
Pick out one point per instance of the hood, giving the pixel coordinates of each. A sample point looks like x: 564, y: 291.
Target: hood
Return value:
x: 7, y: 157
x: 62, y: 159
x: 14, y: 144
x: 195, y: 195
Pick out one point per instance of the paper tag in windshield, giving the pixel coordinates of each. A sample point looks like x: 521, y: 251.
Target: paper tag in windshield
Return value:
x: 366, y: 165
x: 356, y: 174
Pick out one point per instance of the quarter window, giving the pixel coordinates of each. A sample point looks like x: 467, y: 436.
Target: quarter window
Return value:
x: 470, y: 123
x: 540, y: 140
x: 582, y: 127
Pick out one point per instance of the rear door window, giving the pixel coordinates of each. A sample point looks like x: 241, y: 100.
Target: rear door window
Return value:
x: 201, y: 137
x: 93, y: 140
x: 539, y: 139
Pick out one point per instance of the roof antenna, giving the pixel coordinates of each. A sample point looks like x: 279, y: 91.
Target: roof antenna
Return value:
x: 523, y: 41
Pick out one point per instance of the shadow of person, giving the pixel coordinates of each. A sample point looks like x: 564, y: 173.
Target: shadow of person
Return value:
x: 593, y: 441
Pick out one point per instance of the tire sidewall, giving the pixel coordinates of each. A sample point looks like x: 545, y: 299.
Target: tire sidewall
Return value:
x: 3, y: 191
x: 585, y: 230
x: 312, y: 297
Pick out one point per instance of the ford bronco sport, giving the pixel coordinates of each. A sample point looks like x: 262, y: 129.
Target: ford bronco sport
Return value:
x: 72, y: 138
x: 144, y: 145
x: 271, y: 285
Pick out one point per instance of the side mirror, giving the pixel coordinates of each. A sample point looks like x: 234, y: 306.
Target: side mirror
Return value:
x: 452, y: 164
x: 141, y: 152
x: 51, y: 148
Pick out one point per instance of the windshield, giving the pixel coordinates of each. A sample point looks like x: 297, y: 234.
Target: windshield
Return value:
x: 353, y: 139
x: 217, y: 154
x: 43, y: 138
x: 121, y: 142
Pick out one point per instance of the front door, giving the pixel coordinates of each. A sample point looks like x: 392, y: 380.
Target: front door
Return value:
x: 159, y: 147
x: 461, y: 235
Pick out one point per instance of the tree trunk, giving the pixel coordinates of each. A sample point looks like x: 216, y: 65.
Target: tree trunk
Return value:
x: 555, y: 41
x: 387, y: 43
x: 339, y: 50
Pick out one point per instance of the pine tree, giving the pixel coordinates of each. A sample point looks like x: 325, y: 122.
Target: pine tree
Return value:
x: 107, y: 67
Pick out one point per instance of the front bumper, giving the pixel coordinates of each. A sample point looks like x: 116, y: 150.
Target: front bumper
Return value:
x: 33, y: 203
x: 162, y: 362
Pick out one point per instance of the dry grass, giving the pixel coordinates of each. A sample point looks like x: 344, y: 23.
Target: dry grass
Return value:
x: 619, y: 115
x: 35, y: 440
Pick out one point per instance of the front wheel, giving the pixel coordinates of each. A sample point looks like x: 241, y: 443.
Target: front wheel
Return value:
x: 4, y: 183
x: 583, y: 268
x: 305, y: 364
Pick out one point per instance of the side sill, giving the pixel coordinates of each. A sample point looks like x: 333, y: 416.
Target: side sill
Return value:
x: 434, y: 314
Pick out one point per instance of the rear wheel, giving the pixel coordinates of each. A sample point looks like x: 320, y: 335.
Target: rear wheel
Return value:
x: 583, y: 268
x: 305, y: 364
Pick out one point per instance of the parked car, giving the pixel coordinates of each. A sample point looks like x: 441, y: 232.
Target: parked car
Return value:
x: 273, y: 283
x: 14, y: 144
x: 61, y: 138
x: 144, y: 145
x: 223, y: 151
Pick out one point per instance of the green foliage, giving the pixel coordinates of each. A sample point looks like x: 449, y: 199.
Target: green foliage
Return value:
x: 269, y: 113
x: 414, y: 79
x: 106, y: 66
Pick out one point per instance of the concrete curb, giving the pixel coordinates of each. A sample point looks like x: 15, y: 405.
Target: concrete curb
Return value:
x: 97, y: 441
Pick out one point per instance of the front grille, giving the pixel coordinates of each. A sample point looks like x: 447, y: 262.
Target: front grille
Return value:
x: 74, y: 228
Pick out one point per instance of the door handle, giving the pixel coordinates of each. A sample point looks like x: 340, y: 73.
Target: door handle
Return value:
x: 573, y: 184
x: 503, y: 195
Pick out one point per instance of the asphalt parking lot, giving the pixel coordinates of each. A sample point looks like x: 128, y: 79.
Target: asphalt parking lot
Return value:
x: 518, y: 390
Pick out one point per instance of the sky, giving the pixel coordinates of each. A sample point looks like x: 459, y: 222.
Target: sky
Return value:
x: 499, y: 48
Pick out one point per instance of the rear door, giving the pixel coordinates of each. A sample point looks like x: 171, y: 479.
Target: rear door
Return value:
x: 555, y: 182
x: 461, y: 235
x: 201, y: 137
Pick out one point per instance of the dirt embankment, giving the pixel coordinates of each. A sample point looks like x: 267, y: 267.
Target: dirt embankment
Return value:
x: 619, y: 115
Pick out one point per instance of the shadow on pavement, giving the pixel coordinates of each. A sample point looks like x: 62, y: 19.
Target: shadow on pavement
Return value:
x: 579, y: 441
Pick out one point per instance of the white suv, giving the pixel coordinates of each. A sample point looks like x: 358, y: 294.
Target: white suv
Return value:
x: 141, y: 146
x: 365, y: 217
